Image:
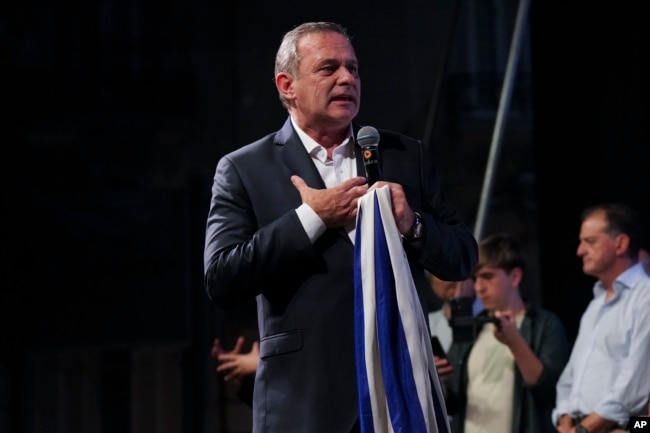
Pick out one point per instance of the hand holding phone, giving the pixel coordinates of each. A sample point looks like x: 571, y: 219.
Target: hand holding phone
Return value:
x: 436, y: 347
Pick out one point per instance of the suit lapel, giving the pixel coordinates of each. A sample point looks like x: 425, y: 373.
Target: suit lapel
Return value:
x: 296, y: 157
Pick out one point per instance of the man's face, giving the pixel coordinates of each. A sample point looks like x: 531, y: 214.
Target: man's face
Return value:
x: 495, y: 287
x: 327, y: 88
x: 597, y: 249
x: 446, y: 290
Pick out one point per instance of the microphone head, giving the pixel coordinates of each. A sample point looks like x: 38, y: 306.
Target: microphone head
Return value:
x: 368, y: 137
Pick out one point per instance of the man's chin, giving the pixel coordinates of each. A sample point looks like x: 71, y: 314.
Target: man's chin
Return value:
x: 588, y: 271
x: 486, y: 305
x: 345, y: 113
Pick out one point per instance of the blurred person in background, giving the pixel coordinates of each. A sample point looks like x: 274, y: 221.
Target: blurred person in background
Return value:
x: 504, y: 380
x: 607, y: 378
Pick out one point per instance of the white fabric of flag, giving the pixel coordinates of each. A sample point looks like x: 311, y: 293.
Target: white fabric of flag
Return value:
x: 398, y: 385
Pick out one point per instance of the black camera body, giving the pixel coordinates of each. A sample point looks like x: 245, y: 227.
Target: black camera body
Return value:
x: 464, y: 325
x: 482, y: 320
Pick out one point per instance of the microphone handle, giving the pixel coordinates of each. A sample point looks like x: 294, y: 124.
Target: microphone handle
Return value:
x: 371, y: 164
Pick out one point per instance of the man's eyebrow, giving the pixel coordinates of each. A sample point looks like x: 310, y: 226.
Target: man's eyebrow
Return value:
x: 327, y: 60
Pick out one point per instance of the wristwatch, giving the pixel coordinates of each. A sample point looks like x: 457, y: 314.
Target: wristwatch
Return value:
x: 581, y: 429
x: 418, y: 228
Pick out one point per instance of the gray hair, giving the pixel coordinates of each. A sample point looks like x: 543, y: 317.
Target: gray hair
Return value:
x: 287, y: 58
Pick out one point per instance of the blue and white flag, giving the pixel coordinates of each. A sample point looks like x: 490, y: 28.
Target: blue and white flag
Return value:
x: 398, y: 385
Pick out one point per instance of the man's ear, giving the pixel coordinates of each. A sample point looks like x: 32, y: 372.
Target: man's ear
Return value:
x: 284, y: 83
x: 516, y: 275
x: 622, y: 242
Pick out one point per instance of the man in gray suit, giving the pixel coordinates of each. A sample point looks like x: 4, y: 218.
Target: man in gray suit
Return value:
x: 281, y: 228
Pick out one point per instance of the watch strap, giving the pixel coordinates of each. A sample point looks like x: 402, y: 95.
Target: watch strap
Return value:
x: 417, y: 231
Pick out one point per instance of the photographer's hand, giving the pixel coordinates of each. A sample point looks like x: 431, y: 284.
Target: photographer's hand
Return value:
x: 506, y: 332
x: 527, y: 362
x: 443, y: 367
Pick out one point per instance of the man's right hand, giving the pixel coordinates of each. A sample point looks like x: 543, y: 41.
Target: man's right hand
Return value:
x: 565, y: 424
x: 443, y: 367
x: 336, y: 206
x: 235, y: 365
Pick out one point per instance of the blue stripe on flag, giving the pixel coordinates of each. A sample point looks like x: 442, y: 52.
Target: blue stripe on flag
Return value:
x: 401, y: 394
x: 365, y: 408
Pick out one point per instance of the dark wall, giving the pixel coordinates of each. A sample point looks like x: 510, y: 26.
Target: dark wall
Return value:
x: 98, y: 211
x: 590, y: 130
x: 117, y: 116
x: 120, y: 114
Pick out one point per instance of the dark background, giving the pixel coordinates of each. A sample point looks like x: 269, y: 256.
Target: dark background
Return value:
x: 116, y: 114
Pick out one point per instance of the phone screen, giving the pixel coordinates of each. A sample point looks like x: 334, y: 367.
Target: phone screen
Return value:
x: 436, y: 347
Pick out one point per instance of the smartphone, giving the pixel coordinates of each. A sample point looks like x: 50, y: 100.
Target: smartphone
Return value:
x: 436, y: 347
x: 462, y: 319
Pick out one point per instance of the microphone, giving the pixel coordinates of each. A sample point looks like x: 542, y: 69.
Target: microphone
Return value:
x: 368, y: 139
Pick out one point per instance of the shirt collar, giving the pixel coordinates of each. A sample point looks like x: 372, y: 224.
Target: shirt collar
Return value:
x: 626, y: 280
x: 630, y: 277
x: 312, y: 145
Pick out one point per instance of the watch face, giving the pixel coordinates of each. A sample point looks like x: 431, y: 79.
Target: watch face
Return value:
x: 417, y: 227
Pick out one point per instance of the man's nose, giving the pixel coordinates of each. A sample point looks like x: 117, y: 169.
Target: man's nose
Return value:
x: 345, y: 75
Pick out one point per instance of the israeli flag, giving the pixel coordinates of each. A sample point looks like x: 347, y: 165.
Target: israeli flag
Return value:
x: 398, y: 385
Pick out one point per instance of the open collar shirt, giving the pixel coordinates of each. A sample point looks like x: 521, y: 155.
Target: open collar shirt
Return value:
x: 340, y: 167
x: 609, y: 369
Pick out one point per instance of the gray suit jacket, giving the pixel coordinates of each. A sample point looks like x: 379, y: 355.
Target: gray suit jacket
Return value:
x: 256, y: 246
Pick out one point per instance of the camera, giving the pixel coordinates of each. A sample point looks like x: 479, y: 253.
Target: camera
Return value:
x: 464, y: 325
x: 482, y: 320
